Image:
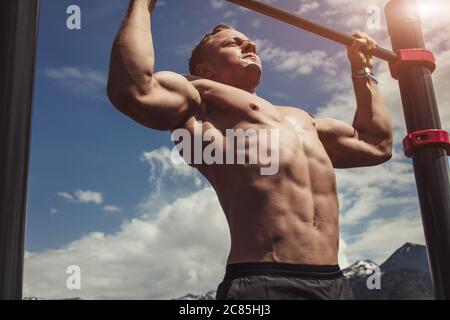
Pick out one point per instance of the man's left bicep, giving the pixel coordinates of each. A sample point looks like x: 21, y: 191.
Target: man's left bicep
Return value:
x: 348, y: 148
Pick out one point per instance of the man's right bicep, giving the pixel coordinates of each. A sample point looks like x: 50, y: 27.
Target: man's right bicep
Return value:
x: 168, y: 102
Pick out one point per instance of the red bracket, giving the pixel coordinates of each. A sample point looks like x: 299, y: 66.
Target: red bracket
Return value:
x: 412, y: 57
x: 426, y: 138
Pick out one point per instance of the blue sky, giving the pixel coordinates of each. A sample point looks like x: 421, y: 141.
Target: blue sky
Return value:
x: 87, y: 157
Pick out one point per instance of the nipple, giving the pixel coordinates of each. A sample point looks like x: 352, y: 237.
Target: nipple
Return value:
x: 254, y: 106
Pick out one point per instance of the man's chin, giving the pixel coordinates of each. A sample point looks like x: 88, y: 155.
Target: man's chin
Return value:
x: 253, y: 67
x: 250, y: 75
x: 254, y: 72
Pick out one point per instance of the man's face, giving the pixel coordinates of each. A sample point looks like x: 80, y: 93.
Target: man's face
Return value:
x: 232, y: 59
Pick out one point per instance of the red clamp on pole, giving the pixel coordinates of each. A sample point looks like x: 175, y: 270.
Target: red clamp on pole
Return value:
x: 426, y: 138
x: 412, y: 57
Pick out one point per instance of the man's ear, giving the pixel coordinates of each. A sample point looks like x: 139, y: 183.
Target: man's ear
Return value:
x: 204, y: 70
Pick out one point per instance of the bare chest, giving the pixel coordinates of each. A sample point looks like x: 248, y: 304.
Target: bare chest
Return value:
x: 227, y: 111
x: 225, y: 107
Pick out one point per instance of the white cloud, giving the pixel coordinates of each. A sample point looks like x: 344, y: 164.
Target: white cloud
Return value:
x: 365, y: 191
x: 307, y: 7
x: 181, y: 247
x: 86, y: 82
x: 89, y: 196
x: 170, y: 181
x: 162, y: 166
x: 383, y: 236
x: 53, y: 211
x: 81, y: 196
x: 67, y: 73
x: 342, y: 256
x: 66, y: 196
x: 294, y: 63
x: 111, y: 209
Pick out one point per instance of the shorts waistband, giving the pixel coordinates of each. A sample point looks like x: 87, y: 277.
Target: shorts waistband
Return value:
x: 239, y: 270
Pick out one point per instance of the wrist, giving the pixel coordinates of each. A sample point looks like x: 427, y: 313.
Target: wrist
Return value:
x: 361, y: 70
x: 363, y: 73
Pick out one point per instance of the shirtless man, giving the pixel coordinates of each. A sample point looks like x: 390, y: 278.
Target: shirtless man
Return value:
x: 284, y: 227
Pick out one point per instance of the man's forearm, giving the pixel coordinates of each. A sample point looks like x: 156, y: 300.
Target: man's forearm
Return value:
x: 372, y: 118
x: 132, y: 58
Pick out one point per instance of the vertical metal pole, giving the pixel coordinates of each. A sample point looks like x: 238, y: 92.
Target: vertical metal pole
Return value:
x: 18, y: 34
x: 430, y: 164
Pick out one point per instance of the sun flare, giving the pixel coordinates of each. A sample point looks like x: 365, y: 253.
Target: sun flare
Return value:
x: 433, y: 9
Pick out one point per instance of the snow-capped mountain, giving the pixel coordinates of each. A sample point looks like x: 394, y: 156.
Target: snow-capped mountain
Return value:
x: 360, y: 268
x: 403, y: 276
x: 210, y: 295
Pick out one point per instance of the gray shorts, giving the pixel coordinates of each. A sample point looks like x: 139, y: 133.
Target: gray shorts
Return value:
x: 283, y: 281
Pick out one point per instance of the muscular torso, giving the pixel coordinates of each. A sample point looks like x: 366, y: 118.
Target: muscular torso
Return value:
x: 289, y: 217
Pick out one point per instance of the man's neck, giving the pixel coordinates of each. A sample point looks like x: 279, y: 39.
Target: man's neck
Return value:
x: 249, y: 90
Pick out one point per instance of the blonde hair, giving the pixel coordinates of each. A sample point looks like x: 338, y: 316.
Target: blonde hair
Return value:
x: 199, y: 54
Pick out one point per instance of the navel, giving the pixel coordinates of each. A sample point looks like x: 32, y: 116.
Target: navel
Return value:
x: 315, y: 224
